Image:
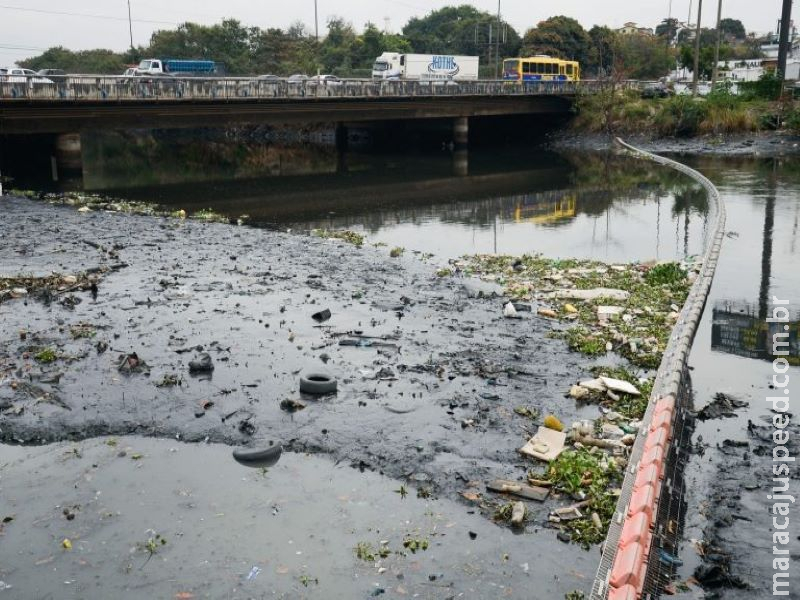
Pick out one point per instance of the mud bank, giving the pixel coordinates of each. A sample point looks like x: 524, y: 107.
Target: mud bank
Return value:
x: 762, y: 145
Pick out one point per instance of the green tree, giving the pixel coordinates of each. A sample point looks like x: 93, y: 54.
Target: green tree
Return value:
x: 732, y: 29
x: 84, y: 61
x: 561, y: 36
x: 603, y: 51
x: 645, y: 57
x: 667, y: 29
x: 462, y: 30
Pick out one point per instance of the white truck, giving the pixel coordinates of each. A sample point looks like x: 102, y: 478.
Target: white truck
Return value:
x: 425, y: 67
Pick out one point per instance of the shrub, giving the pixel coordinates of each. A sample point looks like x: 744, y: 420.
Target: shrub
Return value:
x: 681, y: 116
x: 767, y: 87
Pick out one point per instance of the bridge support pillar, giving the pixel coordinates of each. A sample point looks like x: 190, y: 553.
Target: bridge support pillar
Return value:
x: 341, y: 148
x: 461, y: 132
x: 68, y: 155
x: 461, y: 163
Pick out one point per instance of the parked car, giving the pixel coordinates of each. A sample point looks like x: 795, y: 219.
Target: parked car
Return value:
x: 297, y: 78
x: 18, y: 75
x: 268, y: 78
x: 656, y: 90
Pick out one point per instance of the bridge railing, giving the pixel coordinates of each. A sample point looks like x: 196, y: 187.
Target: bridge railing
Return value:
x: 96, y: 87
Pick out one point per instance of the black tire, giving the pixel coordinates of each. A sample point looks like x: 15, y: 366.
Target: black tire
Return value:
x: 258, y: 458
x: 317, y: 383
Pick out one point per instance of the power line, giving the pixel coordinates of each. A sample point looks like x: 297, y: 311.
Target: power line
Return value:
x: 83, y: 15
x: 12, y: 47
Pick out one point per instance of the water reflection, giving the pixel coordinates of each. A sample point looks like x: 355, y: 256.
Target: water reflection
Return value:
x: 449, y: 203
x: 740, y: 329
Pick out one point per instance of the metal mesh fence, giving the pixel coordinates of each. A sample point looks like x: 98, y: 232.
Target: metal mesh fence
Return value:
x: 672, y: 379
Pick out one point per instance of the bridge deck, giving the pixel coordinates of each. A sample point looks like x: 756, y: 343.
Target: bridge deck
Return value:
x: 81, y: 103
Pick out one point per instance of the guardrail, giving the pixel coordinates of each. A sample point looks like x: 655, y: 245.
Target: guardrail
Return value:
x: 642, y: 536
x: 98, y: 87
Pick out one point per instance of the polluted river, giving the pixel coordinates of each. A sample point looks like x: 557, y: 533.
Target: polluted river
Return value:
x: 148, y: 331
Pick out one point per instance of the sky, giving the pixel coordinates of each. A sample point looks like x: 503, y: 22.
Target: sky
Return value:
x: 31, y: 26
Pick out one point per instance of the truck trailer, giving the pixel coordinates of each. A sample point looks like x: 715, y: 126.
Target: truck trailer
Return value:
x: 179, y: 67
x: 425, y: 67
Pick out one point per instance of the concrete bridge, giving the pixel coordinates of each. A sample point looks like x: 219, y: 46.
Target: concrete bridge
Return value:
x: 77, y: 104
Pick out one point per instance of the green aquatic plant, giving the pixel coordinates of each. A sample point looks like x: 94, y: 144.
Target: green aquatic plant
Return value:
x: 45, y: 355
x: 351, y: 237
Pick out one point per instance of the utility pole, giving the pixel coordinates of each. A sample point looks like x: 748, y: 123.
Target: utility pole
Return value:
x: 130, y: 23
x: 783, y: 40
x: 695, y: 71
x: 715, y: 68
x: 316, y: 22
x: 497, y: 46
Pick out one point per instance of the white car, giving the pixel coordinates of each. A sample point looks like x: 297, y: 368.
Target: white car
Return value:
x: 17, y: 75
x: 329, y: 80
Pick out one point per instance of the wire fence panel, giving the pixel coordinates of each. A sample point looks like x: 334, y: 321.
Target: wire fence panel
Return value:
x: 672, y: 386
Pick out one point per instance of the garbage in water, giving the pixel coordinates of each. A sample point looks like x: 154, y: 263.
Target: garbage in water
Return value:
x: 723, y: 405
x: 546, y: 445
x: 321, y: 316
x: 202, y: 364
x: 258, y: 458
x: 509, y: 312
x: 516, y: 488
x: 253, y: 573
x: 552, y: 422
x: 317, y: 383
x: 131, y: 363
x: 290, y: 405
x: 518, y: 513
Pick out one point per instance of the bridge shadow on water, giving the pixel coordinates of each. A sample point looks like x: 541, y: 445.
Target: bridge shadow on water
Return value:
x: 403, y: 183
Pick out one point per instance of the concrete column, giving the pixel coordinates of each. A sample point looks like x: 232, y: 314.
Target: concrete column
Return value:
x: 341, y: 148
x: 461, y: 132
x: 68, y: 152
x: 461, y: 163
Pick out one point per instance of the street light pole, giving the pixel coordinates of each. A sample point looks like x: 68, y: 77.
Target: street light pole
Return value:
x: 497, y: 46
x: 715, y: 68
x: 130, y: 23
x: 695, y: 73
x: 316, y: 22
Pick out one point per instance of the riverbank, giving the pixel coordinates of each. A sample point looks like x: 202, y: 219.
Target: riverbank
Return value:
x: 766, y: 144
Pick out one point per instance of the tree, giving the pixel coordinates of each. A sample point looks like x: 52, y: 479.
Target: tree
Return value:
x: 562, y: 37
x: 732, y: 29
x: 667, y: 29
x: 461, y: 30
x: 603, y: 51
x: 84, y: 61
x: 645, y: 57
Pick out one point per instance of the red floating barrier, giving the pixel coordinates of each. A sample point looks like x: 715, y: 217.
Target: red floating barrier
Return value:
x: 635, y: 530
x: 654, y: 455
x: 626, y: 592
x: 648, y: 475
x: 657, y: 437
x: 627, y: 566
x: 662, y: 420
x: 643, y: 500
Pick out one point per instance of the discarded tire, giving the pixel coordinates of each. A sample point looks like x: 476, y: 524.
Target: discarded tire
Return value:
x: 317, y: 383
x: 258, y: 458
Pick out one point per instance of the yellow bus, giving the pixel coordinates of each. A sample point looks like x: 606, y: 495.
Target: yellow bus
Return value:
x: 535, y: 69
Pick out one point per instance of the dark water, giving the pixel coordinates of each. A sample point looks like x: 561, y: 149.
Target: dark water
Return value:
x: 513, y: 201
x: 732, y: 354
x: 579, y: 205
x: 592, y: 206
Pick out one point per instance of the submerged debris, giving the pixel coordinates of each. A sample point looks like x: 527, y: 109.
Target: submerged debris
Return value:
x: 628, y: 309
